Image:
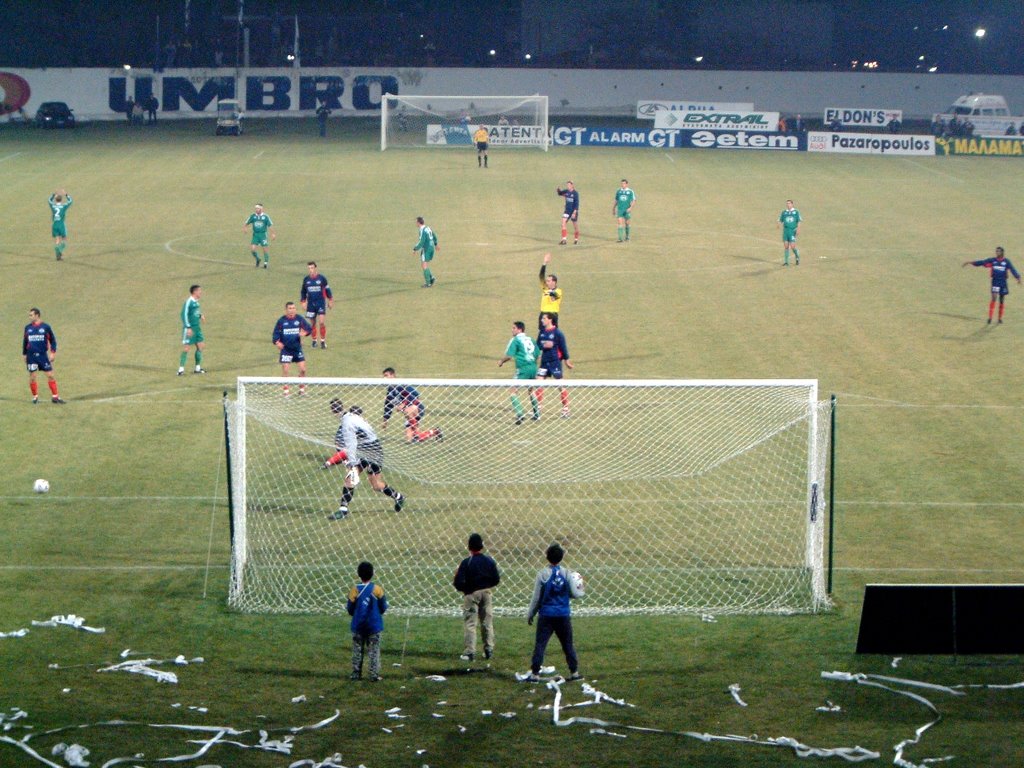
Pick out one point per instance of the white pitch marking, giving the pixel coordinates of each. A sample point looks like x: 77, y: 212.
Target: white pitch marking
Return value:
x: 669, y: 156
x: 258, y: 154
x: 140, y: 394
x: 8, y: 157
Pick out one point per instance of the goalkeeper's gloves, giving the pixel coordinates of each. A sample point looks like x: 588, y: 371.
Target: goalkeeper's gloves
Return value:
x: 553, y: 294
x: 558, y: 190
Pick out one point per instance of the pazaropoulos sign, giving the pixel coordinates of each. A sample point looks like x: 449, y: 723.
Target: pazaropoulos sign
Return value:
x: 692, y: 121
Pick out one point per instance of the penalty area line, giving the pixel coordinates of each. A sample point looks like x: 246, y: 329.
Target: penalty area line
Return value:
x: 65, y: 567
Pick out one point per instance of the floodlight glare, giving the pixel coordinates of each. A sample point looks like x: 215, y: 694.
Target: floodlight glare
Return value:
x: 979, y: 33
x: 698, y: 59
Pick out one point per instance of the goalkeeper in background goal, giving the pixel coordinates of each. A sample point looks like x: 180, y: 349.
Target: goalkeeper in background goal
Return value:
x: 406, y: 399
x: 360, y: 449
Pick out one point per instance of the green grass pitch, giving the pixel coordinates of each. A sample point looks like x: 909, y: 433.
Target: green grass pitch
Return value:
x: 133, y: 535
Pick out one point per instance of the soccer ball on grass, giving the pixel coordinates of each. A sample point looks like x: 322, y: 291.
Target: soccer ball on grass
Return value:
x: 41, y: 486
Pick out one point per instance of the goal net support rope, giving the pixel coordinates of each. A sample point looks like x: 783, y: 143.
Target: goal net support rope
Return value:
x: 668, y: 496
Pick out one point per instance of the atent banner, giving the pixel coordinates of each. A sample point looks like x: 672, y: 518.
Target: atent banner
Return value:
x: 995, y: 147
x: 497, y: 135
x: 873, y: 118
x: 646, y: 110
x: 870, y: 143
x: 693, y: 121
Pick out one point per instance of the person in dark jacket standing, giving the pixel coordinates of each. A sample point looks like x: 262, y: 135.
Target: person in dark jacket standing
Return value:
x: 551, y: 594
x: 366, y: 605
x: 476, y: 576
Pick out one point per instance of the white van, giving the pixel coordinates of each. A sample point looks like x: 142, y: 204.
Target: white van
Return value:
x: 989, y: 114
x: 229, y: 117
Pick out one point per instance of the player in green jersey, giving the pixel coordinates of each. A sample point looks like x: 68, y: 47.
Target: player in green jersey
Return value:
x: 523, y: 351
x: 426, y: 245
x: 625, y: 199
x: 192, y: 330
x: 789, y: 220
x: 262, y: 229
x: 60, y: 201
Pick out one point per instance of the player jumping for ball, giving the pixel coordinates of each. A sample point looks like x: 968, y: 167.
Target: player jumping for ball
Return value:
x: 998, y: 266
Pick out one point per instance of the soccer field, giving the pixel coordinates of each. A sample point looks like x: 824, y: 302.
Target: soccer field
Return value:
x: 133, y: 535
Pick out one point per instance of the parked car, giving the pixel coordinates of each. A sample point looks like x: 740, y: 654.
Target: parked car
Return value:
x: 55, y: 114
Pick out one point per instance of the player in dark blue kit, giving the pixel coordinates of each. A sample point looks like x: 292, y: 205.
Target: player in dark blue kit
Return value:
x: 406, y: 399
x: 553, y: 353
x: 39, y: 348
x: 316, y: 298
x: 571, y: 212
x: 287, y: 338
x: 998, y: 266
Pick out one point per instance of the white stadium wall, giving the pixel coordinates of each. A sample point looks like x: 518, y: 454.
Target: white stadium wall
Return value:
x: 98, y: 93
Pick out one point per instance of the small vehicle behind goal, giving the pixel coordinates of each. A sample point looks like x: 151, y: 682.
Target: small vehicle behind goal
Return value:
x: 229, y: 117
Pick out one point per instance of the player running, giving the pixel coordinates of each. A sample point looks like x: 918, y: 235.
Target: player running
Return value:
x: 288, y: 333
x: 60, y: 201
x: 39, y: 347
x: 789, y: 220
x: 316, y: 299
x: 553, y: 353
x: 522, y: 349
x: 192, y: 330
x: 571, y: 212
x: 262, y: 228
x: 998, y: 266
x: 625, y: 199
x: 406, y: 399
x: 363, y: 453
x: 426, y: 245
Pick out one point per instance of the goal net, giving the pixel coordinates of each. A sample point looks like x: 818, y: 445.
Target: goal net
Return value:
x: 451, y: 121
x: 668, y: 496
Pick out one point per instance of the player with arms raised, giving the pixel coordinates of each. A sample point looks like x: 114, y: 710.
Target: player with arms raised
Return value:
x: 550, y: 294
x: 363, y: 453
x: 571, y: 212
x: 316, y: 299
x: 998, y: 266
x: 60, y: 201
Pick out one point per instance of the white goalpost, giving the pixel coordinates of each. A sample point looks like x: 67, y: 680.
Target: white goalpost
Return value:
x: 451, y: 121
x: 668, y: 496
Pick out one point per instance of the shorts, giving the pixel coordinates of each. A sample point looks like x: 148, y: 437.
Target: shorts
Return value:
x: 291, y: 356
x: 527, y: 372
x: 624, y: 215
x: 261, y: 240
x: 788, y: 237
x: 571, y: 215
x: 312, y: 312
x: 481, y: 146
x: 550, y: 372
x: 370, y: 467
x: 35, y: 363
x: 58, y: 229
x: 196, y: 337
x: 1000, y: 290
x: 426, y: 256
